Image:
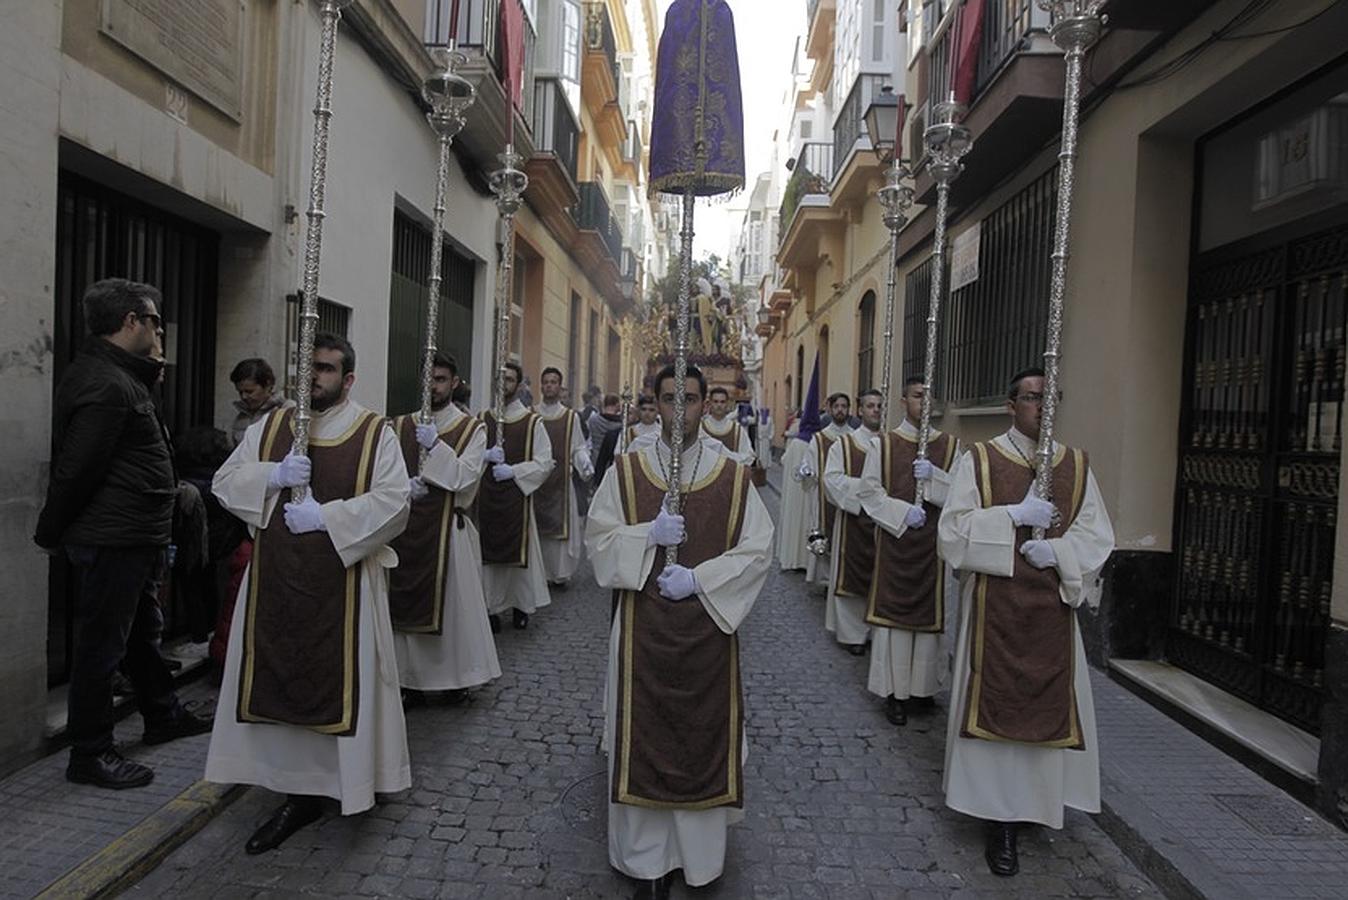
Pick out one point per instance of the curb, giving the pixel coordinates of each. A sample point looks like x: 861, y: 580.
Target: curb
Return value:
x: 135, y: 854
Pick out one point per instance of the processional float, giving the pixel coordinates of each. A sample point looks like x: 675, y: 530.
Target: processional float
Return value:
x: 448, y: 96
x: 1075, y: 28
x: 331, y: 11
x: 697, y: 150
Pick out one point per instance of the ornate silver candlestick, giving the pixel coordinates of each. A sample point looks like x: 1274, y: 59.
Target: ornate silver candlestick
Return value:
x: 895, y: 198
x: 508, y: 183
x: 673, y: 502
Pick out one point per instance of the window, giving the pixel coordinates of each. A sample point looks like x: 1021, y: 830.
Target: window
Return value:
x: 800, y: 377
x: 878, y: 29
x: 866, y: 343
x: 592, y: 350
x: 573, y: 346
x: 571, y: 41
x: 517, y: 310
x: 806, y: 129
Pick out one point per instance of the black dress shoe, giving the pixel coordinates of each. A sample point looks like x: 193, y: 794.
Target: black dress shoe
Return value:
x: 108, y: 769
x: 655, y: 889
x: 921, y: 704
x: 412, y: 697
x: 856, y: 649
x: 292, y: 815
x: 896, y: 711
x: 495, y: 621
x: 521, y: 620
x: 184, y: 724
x: 1000, y: 850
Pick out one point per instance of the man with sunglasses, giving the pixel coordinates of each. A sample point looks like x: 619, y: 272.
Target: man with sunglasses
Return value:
x: 110, y: 510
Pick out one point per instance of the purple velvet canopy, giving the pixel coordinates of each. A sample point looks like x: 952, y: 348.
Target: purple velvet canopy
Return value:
x: 697, y: 130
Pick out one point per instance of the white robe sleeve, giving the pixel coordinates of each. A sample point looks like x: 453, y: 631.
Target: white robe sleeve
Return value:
x: 1084, y: 549
x: 451, y: 471
x: 745, y: 451
x: 580, y: 454
x: 619, y: 553
x: 888, y: 512
x: 365, y: 524
x: 240, y: 484
x: 729, y: 584
x: 841, y: 489
x: 939, y: 486
x: 531, y: 474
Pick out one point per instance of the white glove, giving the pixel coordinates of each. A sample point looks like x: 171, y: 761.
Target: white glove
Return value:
x: 922, y: 469
x: 503, y: 472
x: 304, y: 516
x: 805, y: 473
x: 291, y: 472
x: 1031, y: 511
x: 916, y: 517
x: 494, y: 455
x: 1039, y: 554
x: 676, y: 583
x: 417, y: 488
x: 427, y: 436
x: 666, y: 530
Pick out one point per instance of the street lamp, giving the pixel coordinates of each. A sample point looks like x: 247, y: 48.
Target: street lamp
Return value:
x: 882, y: 123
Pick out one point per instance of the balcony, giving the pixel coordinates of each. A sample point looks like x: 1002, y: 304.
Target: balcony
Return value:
x: 601, y: 77
x: 811, y: 173
x: 598, y: 246
x: 854, y: 162
x: 552, y: 168
x: 807, y: 215
x: 821, y: 16
x: 479, y: 37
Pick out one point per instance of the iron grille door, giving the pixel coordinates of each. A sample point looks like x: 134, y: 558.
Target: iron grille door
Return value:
x: 1259, y: 473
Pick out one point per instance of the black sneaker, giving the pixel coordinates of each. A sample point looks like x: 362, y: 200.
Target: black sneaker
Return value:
x: 495, y: 621
x: 108, y: 769
x: 184, y: 724
x: 521, y: 619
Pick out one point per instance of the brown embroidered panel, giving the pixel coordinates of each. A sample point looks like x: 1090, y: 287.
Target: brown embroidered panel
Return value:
x: 416, y: 588
x: 907, y: 590
x: 856, y: 552
x: 679, y: 710
x: 827, y: 511
x: 731, y: 437
x: 552, y: 501
x: 502, y: 508
x: 1022, y: 650
x: 299, y: 640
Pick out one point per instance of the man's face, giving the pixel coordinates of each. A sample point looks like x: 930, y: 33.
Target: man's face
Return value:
x: 840, y: 410
x: 443, y: 383
x: 329, y: 385
x: 510, y: 383
x: 648, y: 412
x: 870, y: 411
x: 145, y: 331
x: 718, y: 405
x: 551, y: 385
x: 692, y: 409
x: 1028, y: 406
x: 252, y: 394
x: 912, y: 402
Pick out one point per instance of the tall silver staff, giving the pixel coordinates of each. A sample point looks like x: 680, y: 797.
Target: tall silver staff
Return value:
x: 627, y: 411
x: 508, y: 183
x: 331, y: 11
x: 895, y: 199
x: 1076, y: 26
x: 947, y: 142
x: 448, y: 95
x: 673, y: 500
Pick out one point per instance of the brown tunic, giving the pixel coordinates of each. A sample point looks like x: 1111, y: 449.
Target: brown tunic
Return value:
x: 1022, y: 652
x: 730, y: 438
x: 856, y: 550
x: 298, y: 663
x: 416, y: 588
x: 827, y: 511
x: 907, y: 590
x: 679, y: 711
x: 552, y: 501
x: 503, y: 509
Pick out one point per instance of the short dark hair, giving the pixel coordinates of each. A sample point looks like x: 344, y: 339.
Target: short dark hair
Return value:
x: 646, y: 400
x: 612, y: 400
x: 462, y: 394
x: 255, y: 370
x: 442, y: 360
x: 910, y: 381
x: 515, y: 367
x: 326, y: 340
x: 107, y: 303
x: 869, y: 392
x: 551, y: 370
x: 693, y: 372
x: 719, y: 390
x: 201, y: 448
x: 1013, y: 390
x: 835, y: 397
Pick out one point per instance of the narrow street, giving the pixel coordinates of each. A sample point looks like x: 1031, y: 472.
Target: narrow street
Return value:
x: 508, y: 790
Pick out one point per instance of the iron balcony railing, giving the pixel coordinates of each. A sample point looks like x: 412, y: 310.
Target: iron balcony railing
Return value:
x: 811, y: 175
x: 593, y: 213
x: 480, y: 31
x: 850, y: 125
x: 632, y: 146
x: 1008, y: 26
x: 554, y: 126
x: 628, y: 265
x: 599, y: 37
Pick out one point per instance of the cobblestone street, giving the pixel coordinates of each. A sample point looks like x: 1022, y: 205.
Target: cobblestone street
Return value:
x: 508, y: 790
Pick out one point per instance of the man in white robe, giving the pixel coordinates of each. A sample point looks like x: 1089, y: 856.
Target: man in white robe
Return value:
x: 819, y: 566
x: 996, y: 777
x: 795, y: 523
x: 650, y: 842
x: 298, y: 760
x: 720, y: 423
x: 853, y: 543
x: 648, y: 420
x: 562, y: 555
x: 909, y: 585
x: 463, y: 654
x: 521, y: 588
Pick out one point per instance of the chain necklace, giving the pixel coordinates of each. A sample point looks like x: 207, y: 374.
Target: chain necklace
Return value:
x: 1011, y: 436
x: 664, y: 467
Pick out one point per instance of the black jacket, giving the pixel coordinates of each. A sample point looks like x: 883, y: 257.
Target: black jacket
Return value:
x: 112, y: 479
